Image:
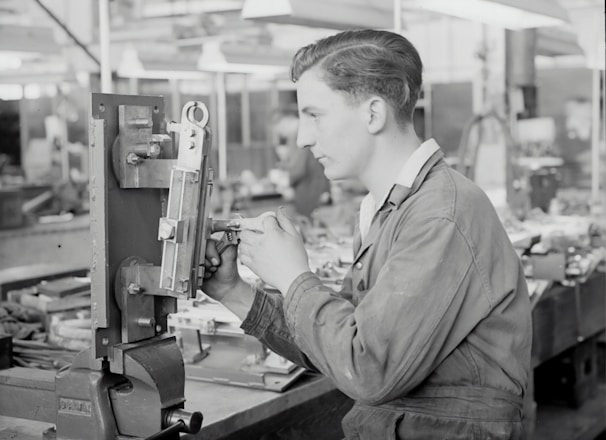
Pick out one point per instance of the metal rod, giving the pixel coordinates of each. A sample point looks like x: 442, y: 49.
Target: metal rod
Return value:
x: 245, y: 115
x: 175, y: 99
x: 397, y: 16
x: 68, y: 32
x: 222, y: 124
x: 168, y: 433
x: 106, y: 71
x: 595, y: 138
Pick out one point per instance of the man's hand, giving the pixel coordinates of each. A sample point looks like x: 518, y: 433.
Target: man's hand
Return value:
x: 221, y: 270
x: 272, y: 248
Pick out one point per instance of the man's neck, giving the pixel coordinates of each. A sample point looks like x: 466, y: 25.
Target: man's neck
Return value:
x: 391, y: 153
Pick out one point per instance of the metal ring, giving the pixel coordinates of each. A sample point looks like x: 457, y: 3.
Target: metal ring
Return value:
x: 191, y: 114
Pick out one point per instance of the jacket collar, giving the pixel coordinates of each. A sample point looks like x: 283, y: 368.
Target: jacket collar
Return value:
x: 398, y: 195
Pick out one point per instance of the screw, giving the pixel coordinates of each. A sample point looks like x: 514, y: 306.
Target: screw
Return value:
x: 134, y: 289
x: 146, y: 322
x: 132, y: 159
x: 154, y: 150
x: 192, y: 144
x: 166, y: 231
x: 185, y: 284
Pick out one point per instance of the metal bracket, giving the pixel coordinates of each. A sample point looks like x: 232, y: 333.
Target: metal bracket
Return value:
x: 141, y: 159
x: 183, y: 228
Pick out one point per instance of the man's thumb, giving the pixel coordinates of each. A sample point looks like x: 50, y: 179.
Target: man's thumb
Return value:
x: 285, y: 222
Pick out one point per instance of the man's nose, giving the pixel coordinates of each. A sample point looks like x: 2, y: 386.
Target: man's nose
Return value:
x: 304, y: 139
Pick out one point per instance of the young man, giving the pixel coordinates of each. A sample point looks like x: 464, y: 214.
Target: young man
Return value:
x: 431, y: 332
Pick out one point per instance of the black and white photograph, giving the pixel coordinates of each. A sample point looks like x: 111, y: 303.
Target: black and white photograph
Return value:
x: 302, y: 220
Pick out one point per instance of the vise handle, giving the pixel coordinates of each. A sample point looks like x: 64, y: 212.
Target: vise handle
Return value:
x: 179, y: 420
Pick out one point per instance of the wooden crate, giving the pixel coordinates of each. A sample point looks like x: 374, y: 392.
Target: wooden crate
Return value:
x: 570, y: 378
x: 567, y: 315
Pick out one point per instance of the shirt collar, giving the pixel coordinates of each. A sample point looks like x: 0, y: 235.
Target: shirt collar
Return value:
x: 406, y: 178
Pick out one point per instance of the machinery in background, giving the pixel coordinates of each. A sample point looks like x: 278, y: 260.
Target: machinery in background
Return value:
x: 531, y: 165
x: 149, y: 224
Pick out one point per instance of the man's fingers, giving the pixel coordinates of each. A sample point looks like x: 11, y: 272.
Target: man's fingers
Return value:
x: 212, y: 255
x: 270, y: 223
x: 248, y: 236
x: 285, y: 222
x: 254, y: 223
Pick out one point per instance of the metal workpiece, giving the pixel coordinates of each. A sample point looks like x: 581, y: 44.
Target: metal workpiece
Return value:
x: 140, y: 300
x: 136, y: 151
x: 183, y: 229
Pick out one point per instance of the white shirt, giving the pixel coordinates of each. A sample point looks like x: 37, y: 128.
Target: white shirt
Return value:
x: 410, y: 171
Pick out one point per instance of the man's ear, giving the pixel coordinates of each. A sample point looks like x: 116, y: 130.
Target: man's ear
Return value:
x: 377, y: 114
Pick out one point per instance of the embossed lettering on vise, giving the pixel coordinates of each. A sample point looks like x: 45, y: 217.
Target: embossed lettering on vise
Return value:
x: 75, y: 406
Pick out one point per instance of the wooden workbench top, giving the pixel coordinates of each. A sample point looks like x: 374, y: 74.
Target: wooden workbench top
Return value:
x: 226, y: 409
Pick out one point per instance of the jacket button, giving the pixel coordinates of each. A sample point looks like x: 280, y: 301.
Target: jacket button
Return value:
x: 358, y: 265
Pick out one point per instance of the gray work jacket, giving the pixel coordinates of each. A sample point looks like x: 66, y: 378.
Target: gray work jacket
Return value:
x: 431, y: 332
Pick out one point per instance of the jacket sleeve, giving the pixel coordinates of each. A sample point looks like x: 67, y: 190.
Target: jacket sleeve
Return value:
x: 266, y: 321
x: 417, y: 312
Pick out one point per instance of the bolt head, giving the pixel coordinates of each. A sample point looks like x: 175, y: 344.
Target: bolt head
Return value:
x: 166, y: 231
x: 154, y: 150
x: 134, y: 288
x: 132, y: 159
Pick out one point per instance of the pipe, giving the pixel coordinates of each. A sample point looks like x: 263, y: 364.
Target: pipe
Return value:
x: 397, y: 16
x: 595, y: 138
x: 106, y: 71
x: 221, y: 124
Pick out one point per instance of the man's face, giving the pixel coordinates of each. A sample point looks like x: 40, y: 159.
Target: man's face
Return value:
x: 334, y: 129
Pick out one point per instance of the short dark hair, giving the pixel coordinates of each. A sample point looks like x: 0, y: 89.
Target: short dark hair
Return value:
x: 361, y: 63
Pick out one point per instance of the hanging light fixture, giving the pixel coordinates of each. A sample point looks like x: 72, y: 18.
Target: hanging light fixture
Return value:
x: 509, y: 14
x: 331, y: 14
x: 240, y: 57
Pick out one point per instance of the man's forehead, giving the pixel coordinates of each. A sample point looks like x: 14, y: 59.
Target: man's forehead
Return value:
x: 312, y: 91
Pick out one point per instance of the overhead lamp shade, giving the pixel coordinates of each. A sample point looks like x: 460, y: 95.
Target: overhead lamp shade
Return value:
x: 240, y: 57
x: 134, y: 64
x: 509, y: 14
x: 28, y: 40
x: 554, y: 42
x: 331, y: 14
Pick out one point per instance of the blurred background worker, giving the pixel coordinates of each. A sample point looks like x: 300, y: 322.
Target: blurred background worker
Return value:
x: 309, y: 186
